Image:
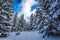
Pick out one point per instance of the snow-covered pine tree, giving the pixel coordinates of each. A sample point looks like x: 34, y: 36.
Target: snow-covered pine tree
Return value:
x: 6, y: 7
x: 42, y: 18
x: 31, y: 22
x: 27, y: 26
x: 38, y: 17
x: 49, y: 9
x: 14, y: 22
x: 21, y: 23
x: 34, y: 22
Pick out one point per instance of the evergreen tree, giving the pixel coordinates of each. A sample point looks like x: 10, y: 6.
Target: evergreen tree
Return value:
x: 31, y: 22
x: 5, y: 15
x: 27, y: 26
x: 14, y: 22
x: 51, y: 11
x: 21, y: 23
x: 34, y: 22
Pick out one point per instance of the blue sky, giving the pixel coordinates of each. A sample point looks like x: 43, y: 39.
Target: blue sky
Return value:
x: 16, y: 3
x: 26, y: 7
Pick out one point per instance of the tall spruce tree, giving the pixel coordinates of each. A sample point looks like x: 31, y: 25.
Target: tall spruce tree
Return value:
x: 14, y: 22
x: 6, y: 7
x: 51, y: 11
x: 21, y: 23
x: 31, y: 22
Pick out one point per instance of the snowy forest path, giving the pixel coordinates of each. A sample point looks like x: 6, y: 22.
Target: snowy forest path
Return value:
x: 25, y: 35
x: 32, y: 35
x: 28, y: 35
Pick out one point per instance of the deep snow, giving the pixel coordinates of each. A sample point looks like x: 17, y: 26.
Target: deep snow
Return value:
x: 31, y: 35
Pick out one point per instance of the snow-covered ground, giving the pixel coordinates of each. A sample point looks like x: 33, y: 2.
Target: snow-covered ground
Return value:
x: 32, y: 35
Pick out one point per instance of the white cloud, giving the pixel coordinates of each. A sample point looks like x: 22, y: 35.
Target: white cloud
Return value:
x: 26, y: 7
